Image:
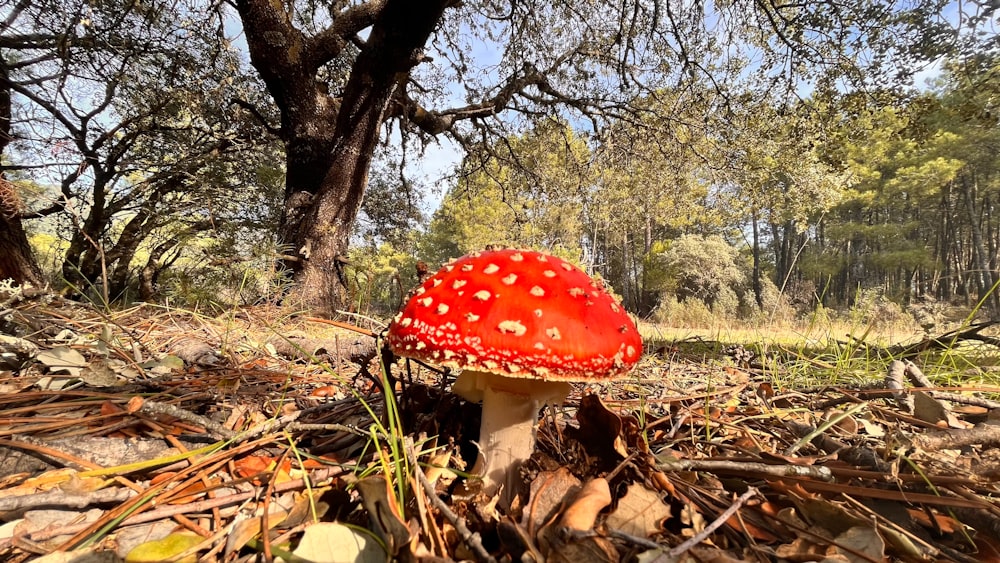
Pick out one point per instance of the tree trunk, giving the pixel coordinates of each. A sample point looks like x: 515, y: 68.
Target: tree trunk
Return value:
x: 758, y: 292
x: 986, y: 277
x: 329, y: 142
x: 16, y: 259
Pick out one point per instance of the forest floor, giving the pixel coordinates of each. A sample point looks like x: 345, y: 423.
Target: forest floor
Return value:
x: 151, y: 434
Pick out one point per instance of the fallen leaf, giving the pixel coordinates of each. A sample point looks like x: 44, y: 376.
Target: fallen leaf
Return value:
x: 63, y: 359
x: 333, y: 541
x: 859, y: 539
x: 589, y: 502
x: 166, y: 549
x: 548, y: 491
x: 640, y: 512
x: 600, y: 429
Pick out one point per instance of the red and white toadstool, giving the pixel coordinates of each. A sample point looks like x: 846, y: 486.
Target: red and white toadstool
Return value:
x: 520, y: 324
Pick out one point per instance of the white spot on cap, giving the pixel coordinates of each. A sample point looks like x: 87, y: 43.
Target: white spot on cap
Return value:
x: 553, y: 333
x: 516, y: 257
x: 405, y: 321
x: 512, y: 327
x: 420, y: 290
x: 436, y: 281
x: 614, y: 307
x: 549, y: 274
x: 491, y: 269
x: 466, y: 267
x: 448, y: 354
x: 567, y: 266
x: 421, y: 345
x: 426, y: 301
x: 397, y: 317
x: 513, y: 368
x: 471, y: 358
x: 537, y: 291
x: 490, y: 364
x: 509, y: 279
x: 538, y: 312
x: 481, y: 295
x: 539, y: 346
x: 442, y: 308
x: 458, y: 284
x: 471, y: 317
x: 630, y: 351
x: 577, y: 291
x: 542, y: 258
x: 540, y: 371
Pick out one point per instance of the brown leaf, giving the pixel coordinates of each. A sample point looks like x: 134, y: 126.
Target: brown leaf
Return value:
x: 548, y: 492
x: 929, y: 409
x: 858, y: 544
x: 589, y: 502
x: 590, y: 549
x: 639, y: 512
x: 600, y: 429
x: 378, y: 500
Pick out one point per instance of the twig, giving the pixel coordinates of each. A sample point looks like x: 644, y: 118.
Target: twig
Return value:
x: 918, y: 377
x: 986, y: 435
x: 894, y: 381
x: 64, y: 499
x: 811, y: 471
x: 471, y: 539
x: 700, y: 536
x: 157, y: 408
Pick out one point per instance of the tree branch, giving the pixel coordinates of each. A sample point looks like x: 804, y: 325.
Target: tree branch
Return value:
x: 329, y: 43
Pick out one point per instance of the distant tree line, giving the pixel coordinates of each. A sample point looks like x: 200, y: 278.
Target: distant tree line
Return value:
x: 823, y: 200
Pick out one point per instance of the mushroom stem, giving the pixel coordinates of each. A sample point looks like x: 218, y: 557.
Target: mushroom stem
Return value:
x: 510, y: 416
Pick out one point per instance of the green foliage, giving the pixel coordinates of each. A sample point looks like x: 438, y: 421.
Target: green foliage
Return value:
x: 380, y: 279
x: 525, y: 193
x: 872, y: 308
x: 705, y: 269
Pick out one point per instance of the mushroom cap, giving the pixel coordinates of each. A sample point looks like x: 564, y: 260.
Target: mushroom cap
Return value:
x: 517, y: 313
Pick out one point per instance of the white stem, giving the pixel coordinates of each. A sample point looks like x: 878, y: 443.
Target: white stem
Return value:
x: 506, y: 437
x: 510, y: 414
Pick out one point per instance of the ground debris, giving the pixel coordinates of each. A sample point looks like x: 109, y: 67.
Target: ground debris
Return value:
x: 280, y: 442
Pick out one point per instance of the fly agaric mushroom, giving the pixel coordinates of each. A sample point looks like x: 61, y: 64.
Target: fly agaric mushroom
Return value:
x: 521, y: 325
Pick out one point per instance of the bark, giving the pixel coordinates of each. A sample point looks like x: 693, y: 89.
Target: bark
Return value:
x: 16, y: 259
x: 329, y: 141
x: 17, y: 262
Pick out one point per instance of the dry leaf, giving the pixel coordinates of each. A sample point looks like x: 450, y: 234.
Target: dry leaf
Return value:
x: 589, y: 502
x: 929, y: 409
x: 63, y: 359
x: 600, y: 429
x: 166, y: 549
x: 639, y: 512
x: 859, y: 539
x: 548, y: 491
x: 333, y: 541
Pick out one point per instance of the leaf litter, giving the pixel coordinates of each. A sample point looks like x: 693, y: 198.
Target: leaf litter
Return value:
x: 161, y: 435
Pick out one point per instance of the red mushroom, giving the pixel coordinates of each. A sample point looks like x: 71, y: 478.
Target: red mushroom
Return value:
x: 520, y: 324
